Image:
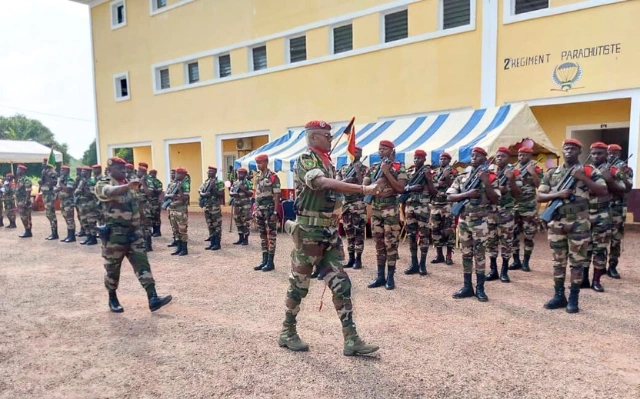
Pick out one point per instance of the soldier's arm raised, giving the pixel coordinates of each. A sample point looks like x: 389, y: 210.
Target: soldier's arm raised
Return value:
x: 114, y: 191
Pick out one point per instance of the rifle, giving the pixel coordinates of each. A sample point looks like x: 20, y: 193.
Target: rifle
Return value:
x: 352, y: 170
x: 471, y: 184
x: 566, y: 183
x: 203, y: 200
x: 174, y: 190
x: 369, y: 197
x: 418, y: 178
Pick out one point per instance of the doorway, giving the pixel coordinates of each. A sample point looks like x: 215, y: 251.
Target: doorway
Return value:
x: 610, y: 133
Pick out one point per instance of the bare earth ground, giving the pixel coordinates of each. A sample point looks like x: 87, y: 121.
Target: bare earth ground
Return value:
x: 218, y: 336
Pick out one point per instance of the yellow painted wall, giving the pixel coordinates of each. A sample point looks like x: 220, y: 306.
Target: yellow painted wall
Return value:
x: 188, y: 155
x: 560, y: 3
x: 143, y: 154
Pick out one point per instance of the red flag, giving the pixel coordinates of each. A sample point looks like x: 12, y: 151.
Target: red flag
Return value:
x: 351, y: 143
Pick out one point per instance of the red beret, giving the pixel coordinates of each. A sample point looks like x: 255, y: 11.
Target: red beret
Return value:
x: 87, y: 168
x: 387, y: 143
x: 480, y: 150
x: 420, y: 153
x: 142, y: 168
x: 9, y: 175
x: 505, y: 150
x: 598, y: 144
x: 45, y: 159
x: 526, y: 149
x: 446, y: 154
x: 146, y: 165
x: 63, y: 167
x: 97, y: 166
x: 262, y: 158
x: 153, y: 171
x: 22, y: 167
x: 242, y: 170
x: 572, y: 142
x: 313, y: 125
x: 358, y: 148
x: 173, y: 170
x: 181, y: 170
x: 116, y: 161
x: 614, y: 147
x: 212, y: 168
x: 129, y: 165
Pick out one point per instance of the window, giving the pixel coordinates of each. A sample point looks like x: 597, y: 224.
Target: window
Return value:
x: 455, y: 13
x: 396, y: 26
x: 193, y: 72
x: 259, y: 57
x: 342, y: 39
x: 160, y: 3
x: 121, y: 82
x: 298, y: 49
x: 224, y: 66
x: 523, y: 6
x: 118, y: 14
x: 165, y: 82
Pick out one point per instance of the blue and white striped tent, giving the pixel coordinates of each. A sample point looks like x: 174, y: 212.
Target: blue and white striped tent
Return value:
x: 456, y: 133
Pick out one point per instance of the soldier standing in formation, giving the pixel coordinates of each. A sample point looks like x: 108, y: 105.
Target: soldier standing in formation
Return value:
x: 354, y: 210
x: 97, y: 176
x: 87, y: 206
x: 618, y: 208
x: 65, y: 188
x: 570, y: 230
x: 155, y: 185
x: 9, y: 199
x: 473, y: 223
x: 509, y: 184
x: 421, y: 190
x: 442, y: 223
x: 130, y: 171
x: 23, y: 199
x: 212, y: 191
x: 179, y: 211
x: 47, y: 184
x: 76, y: 208
x: 144, y: 197
x: 267, y: 203
x: 241, y: 194
x: 385, y: 218
x: 2, y: 179
x: 317, y: 242
x: 171, y: 187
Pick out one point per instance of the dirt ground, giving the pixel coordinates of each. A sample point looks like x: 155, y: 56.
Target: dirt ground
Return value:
x: 218, y: 336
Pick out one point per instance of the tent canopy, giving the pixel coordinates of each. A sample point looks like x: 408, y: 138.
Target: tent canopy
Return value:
x: 456, y: 133
x: 25, y: 152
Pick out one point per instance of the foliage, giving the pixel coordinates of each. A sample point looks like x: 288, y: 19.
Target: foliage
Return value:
x: 90, y: 156
x: 125, y: 153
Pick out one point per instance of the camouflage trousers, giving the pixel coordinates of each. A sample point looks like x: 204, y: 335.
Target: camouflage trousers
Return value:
x: 385, y: 226
x: 618, y: 216
x: 242, y: 217
x: 10, y: 209
x: 322, y: 248
x: 600, y: 238
x: 179, y: 219
x: 1, y: 207
x: 147, y: 221
x: 156, y: 210
x: 267, y: 221
x: 25, y: 214
x: 50, y: 210
x: 526, y: 222
x: 66, y: 209
x: 131, y: 246
x: 89, y: 215
x: 417, y: 215
x: 213, y: 217
x: 474, y: 233
x: 354, y: 222
x: 442, y: 224
x: 502, y: 233
x: 569, y: 238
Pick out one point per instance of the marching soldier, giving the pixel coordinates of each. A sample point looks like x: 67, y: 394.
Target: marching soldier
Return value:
x: 23, y: 199
x: 179, y: 211
x: 354, y: 211
x: 171, y: 187
x: 442, y: 223
x: 421, y: 190
x: 473, y: 221
x: 9, y: 199
x: 144, y: 196
x: 65, y: 189
x: 47, y: 184
x: 241, y: 193
x: 385, y: 218
x: 509, y: 184
x: 211, y: 195
x: 570, y: 230
x: 618, y: 208
x: 155, y: 185
x: 122, y: 234
x: 317, y: 242
x: 267, y: 203
x: 87, y: 207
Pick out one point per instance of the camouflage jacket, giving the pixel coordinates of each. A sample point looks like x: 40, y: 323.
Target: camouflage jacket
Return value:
x: 154, y: 184
x: 397, y: 171
x: 507, y: 200
x: 599, y: 204
x: 349, y: 198
x: 439, y: 183
x: 554, y: 177
x: 422, y: 197
x: 528, y: 189
x: 185, y: 188
x: 457, y: 187
x: 122, y: 211
x: 267, y: 187
x: 311, y: 201
x: 619, y: 166
x: 23, y: 191
x: 241, y: 199
x: 219, y: 187
x: 68, y: 182
x: 86, y: 189
x: 9, y: 195
x: 47, y: 184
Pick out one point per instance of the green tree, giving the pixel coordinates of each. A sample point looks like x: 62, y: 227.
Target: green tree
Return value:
x: 125, y: 153
x: 90, y: 156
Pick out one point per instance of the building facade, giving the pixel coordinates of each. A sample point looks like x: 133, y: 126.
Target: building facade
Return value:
x: 200, y: 82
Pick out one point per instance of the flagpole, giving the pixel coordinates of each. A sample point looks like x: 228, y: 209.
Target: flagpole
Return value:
x: 348, y: 127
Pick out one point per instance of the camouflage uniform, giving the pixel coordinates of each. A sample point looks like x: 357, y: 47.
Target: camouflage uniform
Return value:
x: 1, y: 206
x: 80, y: 197
x: 88, y: 209
x: 23, y: 201
x: 174, y: 231
x: 417, y: 219
x: 66, y: 202
x: 212, y: 210
x: 242, y: 208
x: 154, y: 184
x: 9, y: 202
x: 49, y: 197
x: 179, y: 213
x: 354, y: 220
x: 618, y: 218
x: 442, y: 222
x: 98, y: 203
x: 145, y: 205
x: 526, y: 218
x: 267, y: 188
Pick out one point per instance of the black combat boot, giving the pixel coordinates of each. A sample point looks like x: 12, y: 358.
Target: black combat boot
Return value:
x: 449, y: 260
x: 414, y: 267
x: 559, y: 300
x: 351, y: 262
x: 155, y: 301
x: 315, y: 273
x: 178, y: 248
x: 504, y: 271
x: 184, y: 251
x: 612, y: 271
x: 174, y: 243
x: 439, y: 256
x: 574, y: 293
x: 114, y: 304
x: 358, y: 262
x: 585, y: 278
x: 1, y: 222
x: 493, y: 267
x: 391, y: 284
x: 71, y: 237
x: 380, y: 280
x: 422, y: 268
x: 467, y: 290
x: 26, y: 234
x: 216, y: 242
x: 156, y: 232
x: 269, y: 266
x: 245, y: 239
x: 265, y: 255
x: 240, y: 239
x: 525, y: 262
x: 480, y: 294
x: 93, y: 240
x: 596, y: 285
x: 516, y: 265
x: 211, y: 240
x: 54, y: 234
x: 147, y: 243
x: 208, y: 238
x: 12, y: 225
x: 82, y: 233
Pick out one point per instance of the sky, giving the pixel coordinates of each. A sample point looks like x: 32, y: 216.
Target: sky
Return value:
x: 45, y: 68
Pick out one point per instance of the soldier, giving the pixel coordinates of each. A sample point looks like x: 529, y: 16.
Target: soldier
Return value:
x: 570, y: 230
x: 155, y: 185
x: 47, y: 183
x: 618, y: 208
x: 87, y: 207
x: 509, y: 184
x: 23, y: 199
x: 2, y: 179
x: 211, y: 195
x: 97, y: 176
x: 131, y: 172
x: 65, y: 189
x: 231, y: 175
x: 421, y: 189
x: 170, y: 188
x: 179, y: 212
x: 473, y: 221
x: 354, y: 211
x: 122, y: 234
x: 267, y: 203
x: 317, y: 242
x: 9, y: 199
x: 442, y: 222
x: 76, y: 208
x: 144, y: 195
x: 241, y: 193
x: 385, y: 219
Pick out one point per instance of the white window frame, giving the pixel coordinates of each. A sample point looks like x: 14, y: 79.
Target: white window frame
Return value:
x: 114, y: 7
x: 158, y: 79
x: 216, y: 65
x: 186, y: 72
x: 154, y: 10
x: 383, y: 24
x: 251, y: 67
x: 472, y: 17
x: 509, y: 6
x: 287, y: 48
x: 117, y: 78
x: 332, y: 38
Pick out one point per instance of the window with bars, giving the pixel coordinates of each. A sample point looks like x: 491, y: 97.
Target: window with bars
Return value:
x: 193, y: 71
x: 342, y: 39
x: 523, y: 6
x: 396, y: 26
x: 224, y: 65
x: 259, y: 56
x: 165, y: 82
x: 160, y: 3
x: 455, y: 13
x: 298, y: 49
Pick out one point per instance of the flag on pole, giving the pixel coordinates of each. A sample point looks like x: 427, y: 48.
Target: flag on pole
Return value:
x: 351, y: 142
x: 52, y: 159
